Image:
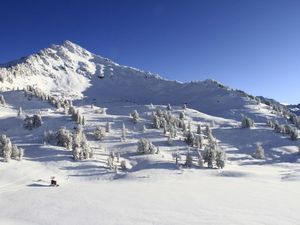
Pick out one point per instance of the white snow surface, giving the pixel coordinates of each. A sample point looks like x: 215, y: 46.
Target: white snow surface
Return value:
x: 154, y: 191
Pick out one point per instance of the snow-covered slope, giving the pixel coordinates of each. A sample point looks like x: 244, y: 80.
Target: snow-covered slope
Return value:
x: 69, y: 70
x: 153, y: 190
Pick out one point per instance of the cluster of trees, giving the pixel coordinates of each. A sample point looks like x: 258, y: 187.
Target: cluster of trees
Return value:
x: 76, y: 141
x: 76, y: 115
x: 282, y: 110
x: 31, y: 91
x: 247, y: 122
x: 31, y: 122
x: 284, y: 129
x: 202, y: 140
x: 114, y: 162
x: 145, y: 146
x: 8, y: 150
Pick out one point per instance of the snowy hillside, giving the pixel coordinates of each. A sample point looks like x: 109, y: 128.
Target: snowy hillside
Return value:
x: 125, y: 149
x: 70, y: 71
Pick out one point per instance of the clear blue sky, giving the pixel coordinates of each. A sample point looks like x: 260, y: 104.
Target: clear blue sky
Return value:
x: 252, y: 45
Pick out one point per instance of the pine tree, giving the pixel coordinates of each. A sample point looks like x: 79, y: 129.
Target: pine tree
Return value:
x: 169, y: 107
x: 259, y: 152
x: 190, y: 138
x: 220, y: 159
x: 135, y: 116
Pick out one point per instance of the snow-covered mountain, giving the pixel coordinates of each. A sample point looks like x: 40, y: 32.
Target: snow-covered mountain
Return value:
x: 71, y: 71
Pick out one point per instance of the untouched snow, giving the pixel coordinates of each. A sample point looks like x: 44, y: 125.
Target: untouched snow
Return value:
x: 154, y: 191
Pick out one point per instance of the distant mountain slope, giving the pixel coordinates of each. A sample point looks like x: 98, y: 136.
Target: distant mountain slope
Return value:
x: 294, y: 108
x: 70, y: 71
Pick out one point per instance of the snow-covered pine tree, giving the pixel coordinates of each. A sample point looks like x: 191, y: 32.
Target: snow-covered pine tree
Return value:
x: 294, y: 134
x: 259, y: 152
x: 190, y: 138
x: 135, y: 116
x: 64, y: 138
x: 156, y: 122
x: 181, y: 115
x: 220, y: 158
x: 7, y: 149
x: 247, y: 123
x: 209, y: 156
x: 169, y: 107
x: 99, y: 133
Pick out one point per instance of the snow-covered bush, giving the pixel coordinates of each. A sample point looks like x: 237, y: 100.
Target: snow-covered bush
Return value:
x: 294, y: 134
x: 135, y: 116
x: 184, y: 107
x: 259, y: 152
x: 99, y: 133
x: 64, y: 138
x: 31, y: 122
x: 125, y: 165
x: 145, y: 146
x: 247, y: 123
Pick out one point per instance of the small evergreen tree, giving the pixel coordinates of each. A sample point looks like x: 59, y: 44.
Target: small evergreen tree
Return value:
x: 259, y: 152
x: 135, y: 116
